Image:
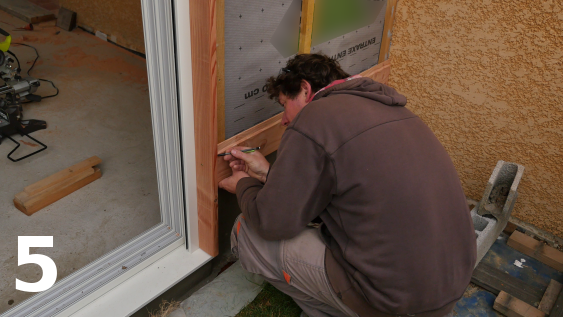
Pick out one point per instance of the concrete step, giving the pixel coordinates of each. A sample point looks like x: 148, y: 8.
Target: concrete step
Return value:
x: 226, y: 295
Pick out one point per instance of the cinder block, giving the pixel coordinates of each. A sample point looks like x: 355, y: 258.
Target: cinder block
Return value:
x: 501, y: 191
x: 491, y: 215
x: 487, y: 229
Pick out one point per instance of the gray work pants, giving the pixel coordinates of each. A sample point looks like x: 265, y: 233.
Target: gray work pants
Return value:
x: 295, y: 267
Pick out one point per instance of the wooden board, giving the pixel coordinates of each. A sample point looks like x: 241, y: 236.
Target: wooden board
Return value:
x: 550, y: 295
x: 61, y: 176
x: 203, y: 33
x: 510, y: 228
x: 513, y: 307
x: 268, y: 134
x: 56, y: 192
x: 306, y: 30
x: 537, y: 250
x: 220, y: 17
x: 27, y: 11
x: 66, y: 19
x: 387, y: 30
x: 30, y: 200
x: 495, y: 281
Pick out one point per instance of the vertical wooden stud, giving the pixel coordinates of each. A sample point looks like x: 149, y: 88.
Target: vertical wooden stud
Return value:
x: 387, y: 30
x: 204, y: 71
x: 220, y: 18
x: 307, y: 14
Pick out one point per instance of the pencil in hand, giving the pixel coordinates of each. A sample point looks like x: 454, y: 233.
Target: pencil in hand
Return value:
x: 243, y: 151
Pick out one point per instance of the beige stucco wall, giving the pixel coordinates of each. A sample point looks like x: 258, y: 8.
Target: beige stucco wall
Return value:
x: 487, y: 77
x: 120, y: 20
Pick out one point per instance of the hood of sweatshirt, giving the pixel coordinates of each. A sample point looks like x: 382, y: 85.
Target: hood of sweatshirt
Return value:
x: 367, y: 88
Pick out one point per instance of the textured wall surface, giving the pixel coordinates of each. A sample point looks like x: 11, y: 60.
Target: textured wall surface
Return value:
x: 487, y: 77
x: 121, y: 20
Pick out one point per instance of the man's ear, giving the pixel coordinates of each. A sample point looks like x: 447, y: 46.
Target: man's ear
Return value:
x: 305, y: 86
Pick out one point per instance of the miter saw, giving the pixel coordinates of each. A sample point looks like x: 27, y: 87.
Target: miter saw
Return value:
x: 16, y: 90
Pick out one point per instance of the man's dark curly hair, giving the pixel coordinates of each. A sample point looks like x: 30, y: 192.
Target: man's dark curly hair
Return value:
x: 318, y: 69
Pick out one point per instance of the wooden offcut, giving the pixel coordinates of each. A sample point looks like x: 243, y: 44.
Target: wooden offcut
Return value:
x: 387, y: 30
x: 513, y: 307
x: 549, y: 297
x: 537, y: 250
x: 203, y: 33
x: 66, y: 19
x: 268, y: 134
x: 61, y: 176
x: 45, y: 192
x: 306, y: 30
x: 27, y: 11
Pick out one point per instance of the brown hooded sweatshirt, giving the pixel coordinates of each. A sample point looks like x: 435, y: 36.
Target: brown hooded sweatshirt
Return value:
x: 395, y: 220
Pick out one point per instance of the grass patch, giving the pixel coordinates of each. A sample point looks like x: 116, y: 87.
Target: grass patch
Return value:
x: 271, y: 303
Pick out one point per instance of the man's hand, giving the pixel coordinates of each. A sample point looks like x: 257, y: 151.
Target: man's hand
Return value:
x: 255, y: 164
x: 230, y: 183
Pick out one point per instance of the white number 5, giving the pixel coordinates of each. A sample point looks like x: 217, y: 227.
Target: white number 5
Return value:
x: 46, y: 263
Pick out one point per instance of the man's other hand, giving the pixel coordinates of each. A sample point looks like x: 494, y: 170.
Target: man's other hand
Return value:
x: 230, y: 183
x: 255, y: 164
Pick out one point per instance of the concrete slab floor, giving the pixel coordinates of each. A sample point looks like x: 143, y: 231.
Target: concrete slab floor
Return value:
x: 103, y: 109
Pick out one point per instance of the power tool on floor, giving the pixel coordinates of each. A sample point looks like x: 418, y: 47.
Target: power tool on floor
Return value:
x: 15, y: 90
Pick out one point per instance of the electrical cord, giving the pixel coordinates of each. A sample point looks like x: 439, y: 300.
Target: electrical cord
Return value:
x: 33, y: 65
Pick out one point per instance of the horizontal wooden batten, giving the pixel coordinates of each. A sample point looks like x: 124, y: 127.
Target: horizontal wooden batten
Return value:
x: 268, y: 134
x: 537, y: 250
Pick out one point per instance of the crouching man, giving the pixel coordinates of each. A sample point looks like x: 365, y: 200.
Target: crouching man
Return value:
x: 395, y: 235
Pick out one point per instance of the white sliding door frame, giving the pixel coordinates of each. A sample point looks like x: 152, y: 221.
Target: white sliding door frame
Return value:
x: 166, y: 253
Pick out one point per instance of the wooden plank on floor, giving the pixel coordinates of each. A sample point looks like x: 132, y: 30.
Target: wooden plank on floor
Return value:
x: 52, y: 194
x: 306, y: 30
x: 26, y: 11
x: 513, y: 307
x: 203, y: 31
x: 61, y: 176
x: 387, y: 30
x: 550, y: 295
x: 537, y: 250
x: 495, y: 281
x: 268, y: 134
